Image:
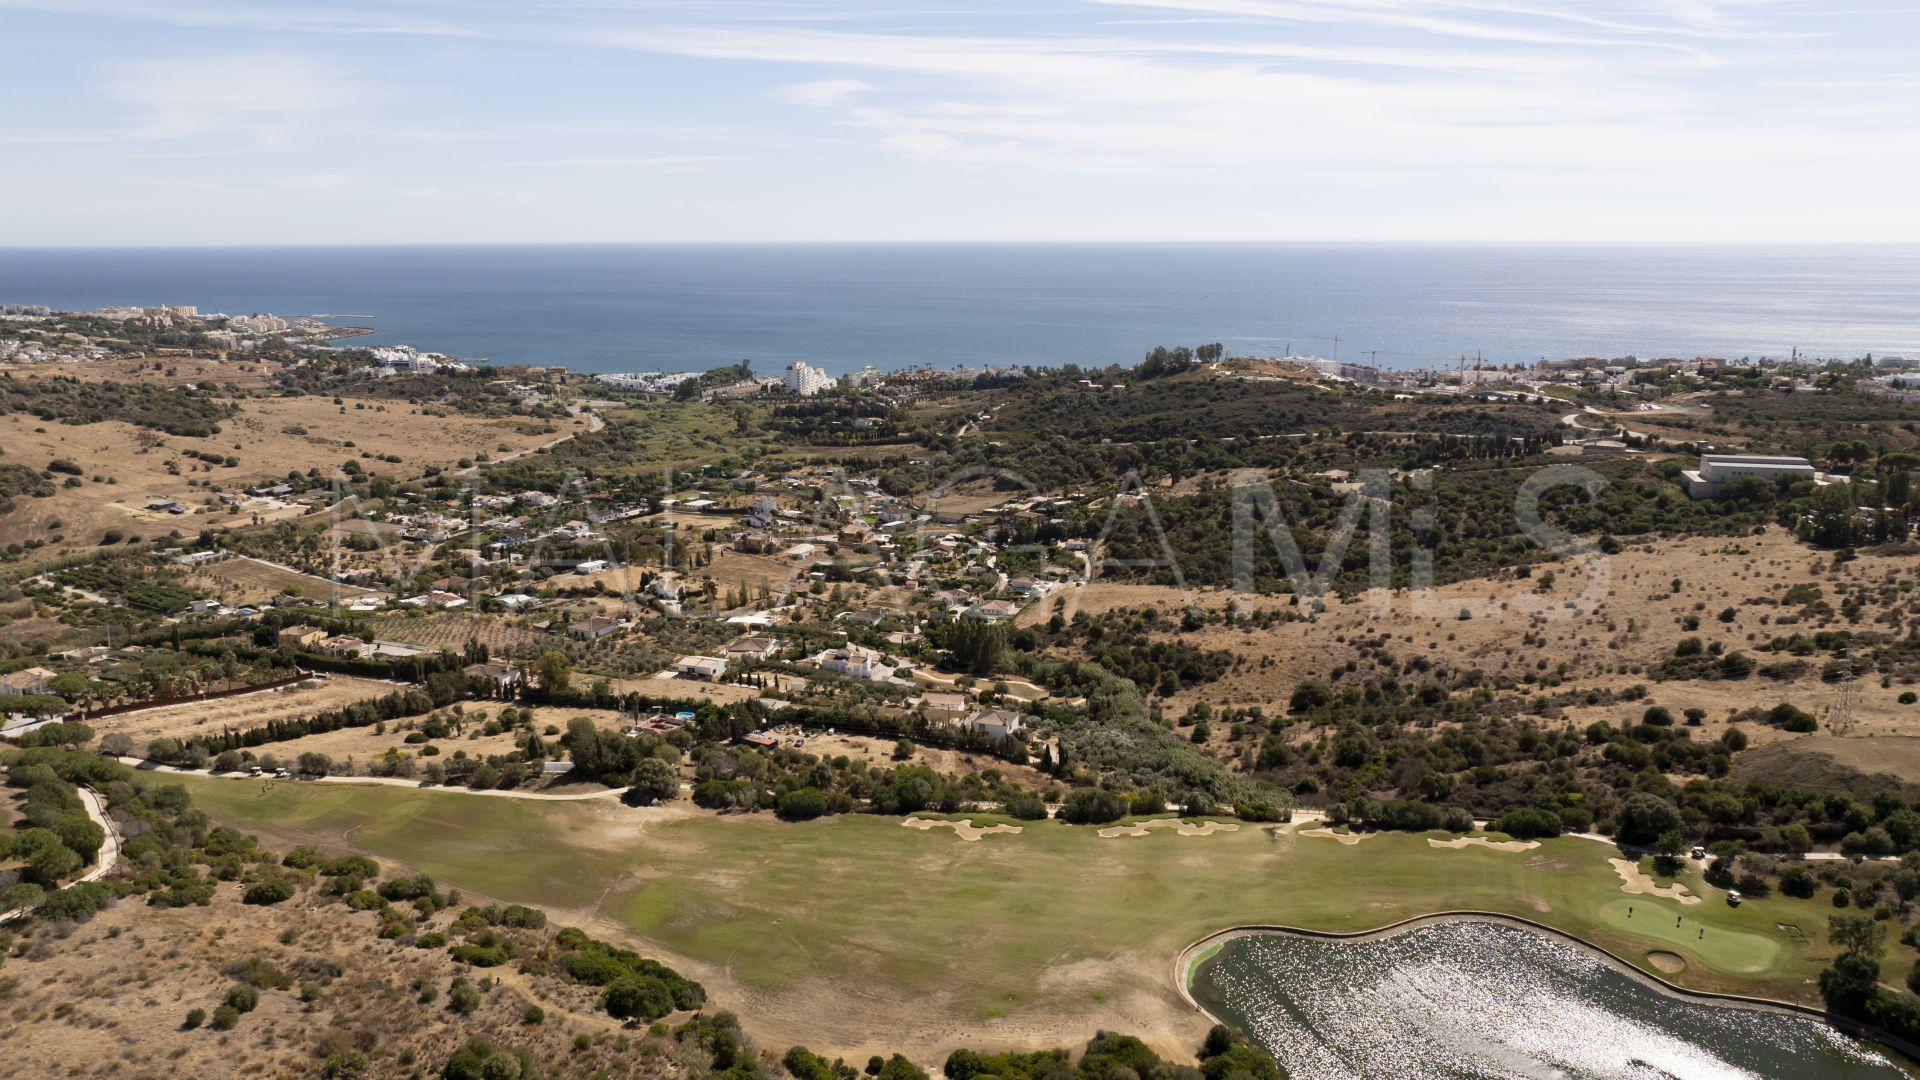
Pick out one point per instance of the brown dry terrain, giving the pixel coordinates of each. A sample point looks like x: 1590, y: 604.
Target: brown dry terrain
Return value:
x: 676, y: 687
x: 110, y: 997
x: 362, y: 745
x: 879, y: 753
x: 758, y: 574
x: 1862, y: 765
x: 240, y: 581
x: 166, y: 371
x: 1603, y: 631
x: 453, y: 629
x: 262, y: 436
x: 242, y: 710
x: 1622, y: 622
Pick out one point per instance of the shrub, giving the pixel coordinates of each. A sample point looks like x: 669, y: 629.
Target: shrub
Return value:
x: 1529, y: 823
x: 1092, y: 806
x: 270, y: 891
x: 1027, y: 808
x: 225, y: 1017
x: 1790, y: 718
x: 242, y: 997
x: 637, y: 997
x: 462, y: 998
x: 802, y: 805
x: 195, y: 1017
x: 479, y: 955
x: 1797, y: 883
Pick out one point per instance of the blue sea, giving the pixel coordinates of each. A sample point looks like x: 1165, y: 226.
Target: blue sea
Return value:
x: 641, y: 307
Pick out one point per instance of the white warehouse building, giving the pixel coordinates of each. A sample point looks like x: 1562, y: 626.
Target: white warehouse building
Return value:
x: 1716, y: 471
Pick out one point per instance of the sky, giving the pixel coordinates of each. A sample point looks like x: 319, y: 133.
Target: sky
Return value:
x: 222, y: 122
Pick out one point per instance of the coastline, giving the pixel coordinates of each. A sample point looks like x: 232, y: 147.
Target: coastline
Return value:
x: 1187, y: 963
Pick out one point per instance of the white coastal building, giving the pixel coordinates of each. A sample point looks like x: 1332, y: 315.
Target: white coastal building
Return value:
x: 806, y: 380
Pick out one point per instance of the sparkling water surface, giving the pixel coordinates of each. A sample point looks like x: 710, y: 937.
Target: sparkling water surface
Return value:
x: 1479, y: 1000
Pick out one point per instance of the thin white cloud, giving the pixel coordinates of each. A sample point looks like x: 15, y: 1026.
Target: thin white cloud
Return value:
x: 261, y: 98
x: 823, y: 92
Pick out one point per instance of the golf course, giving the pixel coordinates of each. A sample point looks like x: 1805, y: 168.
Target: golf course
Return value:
x: 850, y: 931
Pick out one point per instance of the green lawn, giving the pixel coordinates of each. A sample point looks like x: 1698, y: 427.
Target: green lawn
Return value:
x: 1695, y: 929
x: 1042, y: 924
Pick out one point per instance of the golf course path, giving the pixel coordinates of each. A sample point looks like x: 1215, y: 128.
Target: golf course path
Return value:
x: 146, y: 765
x: 109, y: 847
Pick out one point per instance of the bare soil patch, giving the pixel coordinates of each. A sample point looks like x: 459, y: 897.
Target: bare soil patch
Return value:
x: 1637, y: 882
x: 1181, y: 828
x: 241, y: 581
x: 1347, y: 838
x: 879, y: 752
x: 964, y: 828
x: 242, y: 711
x: 1670, y: 963
x: 1460, y: 843
x: 1860, y: 764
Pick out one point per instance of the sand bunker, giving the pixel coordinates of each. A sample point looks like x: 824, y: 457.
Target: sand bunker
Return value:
x: 1347, y: 838
x: 1671, y: 963
x: 964, y: 828
x: 1480, y: 841
x: 1140, y: 828
x: 1634, y: 881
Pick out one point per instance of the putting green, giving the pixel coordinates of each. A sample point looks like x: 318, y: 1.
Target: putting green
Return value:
x: 1723, y: 947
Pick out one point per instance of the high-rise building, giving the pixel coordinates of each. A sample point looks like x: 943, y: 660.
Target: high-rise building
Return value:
x: 806, y: 380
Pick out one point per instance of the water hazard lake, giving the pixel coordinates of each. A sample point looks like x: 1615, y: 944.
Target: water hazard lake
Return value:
x: 1472, y: 1000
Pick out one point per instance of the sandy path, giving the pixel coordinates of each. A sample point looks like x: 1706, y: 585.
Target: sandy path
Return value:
x: 1141, y: 828
x: 1634, y: 882
x: 1347, y: 838
x: 965, y: 827
x: 1460, y: 842
x: 109, y: 848
x: 145, y: 765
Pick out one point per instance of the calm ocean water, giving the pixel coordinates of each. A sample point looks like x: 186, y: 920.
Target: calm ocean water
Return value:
x: 616, y: 308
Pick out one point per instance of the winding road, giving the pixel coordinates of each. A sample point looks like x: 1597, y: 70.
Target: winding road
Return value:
x: 109, y: 853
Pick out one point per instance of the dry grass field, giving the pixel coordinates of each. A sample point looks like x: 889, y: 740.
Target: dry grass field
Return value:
x: 110, y: 998
x: 1607, y: 629
x: 453, y: 629
x: 879, y: 754
x: 668, y: 686
x: 361, y: 745
x: 266, y: 438
x: 165, y: 371
x: 242, y: 710
x: 1862, y: 764
x: 249, y: 581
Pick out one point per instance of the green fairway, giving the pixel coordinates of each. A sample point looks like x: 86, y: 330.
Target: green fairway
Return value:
x: 1043, y: 926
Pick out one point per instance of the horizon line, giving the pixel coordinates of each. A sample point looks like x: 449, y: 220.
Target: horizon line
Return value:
x: 610, y: 244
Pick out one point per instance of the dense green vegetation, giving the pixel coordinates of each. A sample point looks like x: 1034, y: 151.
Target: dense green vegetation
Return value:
x: 135, y: 586
x: 72, y: 401
x: 18, y: 480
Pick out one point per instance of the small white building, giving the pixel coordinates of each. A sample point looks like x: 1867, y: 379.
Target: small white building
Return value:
x: 704, y: 668
x: 857, y: 661
x: 752, y: 648
x: 994, y: 723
